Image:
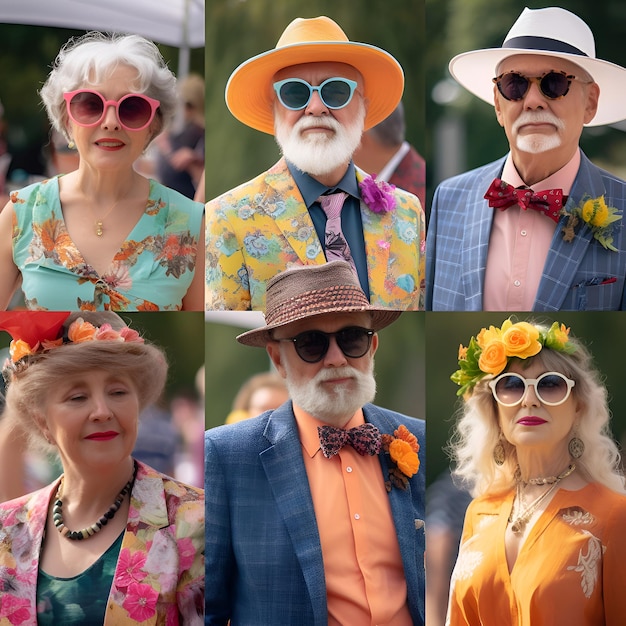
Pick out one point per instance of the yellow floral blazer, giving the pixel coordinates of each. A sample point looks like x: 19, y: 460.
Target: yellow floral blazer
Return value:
x: 159, y: 577
x: 263, y: 227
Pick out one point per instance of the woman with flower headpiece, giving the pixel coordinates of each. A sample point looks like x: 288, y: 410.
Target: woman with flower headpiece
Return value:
x: 543, y: 540
x: 112, y: 541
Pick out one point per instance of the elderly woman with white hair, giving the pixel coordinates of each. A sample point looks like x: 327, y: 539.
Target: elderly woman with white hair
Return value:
x: 104, y: 236
x: 112, y: 541
x: 543, y: 540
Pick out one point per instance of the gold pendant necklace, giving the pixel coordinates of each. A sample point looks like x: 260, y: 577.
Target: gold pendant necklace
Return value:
x: 99, y: 223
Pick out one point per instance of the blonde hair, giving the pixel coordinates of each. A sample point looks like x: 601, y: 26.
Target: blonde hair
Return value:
x: 477, y: 430
x: 143, y: 364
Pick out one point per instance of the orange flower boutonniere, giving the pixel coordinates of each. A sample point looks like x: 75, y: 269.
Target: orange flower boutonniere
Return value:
x: 402, y: 447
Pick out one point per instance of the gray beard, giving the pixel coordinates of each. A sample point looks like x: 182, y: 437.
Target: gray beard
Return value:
x: 333, y: 405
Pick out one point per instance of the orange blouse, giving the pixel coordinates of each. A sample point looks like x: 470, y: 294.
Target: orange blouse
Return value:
x: 570, y: 569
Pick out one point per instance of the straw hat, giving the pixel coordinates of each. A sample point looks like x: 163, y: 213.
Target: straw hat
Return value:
x: 552, y: 32
x: 303, y: 292
x: 249, y: 94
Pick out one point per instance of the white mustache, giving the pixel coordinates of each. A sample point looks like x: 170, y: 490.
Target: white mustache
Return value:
x: 310, y: 121
x: 538, y: 117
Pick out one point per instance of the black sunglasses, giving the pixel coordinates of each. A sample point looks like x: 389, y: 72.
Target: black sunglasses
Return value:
x: 312, y: 345
x: 295, y: 93
x: 553, y: 85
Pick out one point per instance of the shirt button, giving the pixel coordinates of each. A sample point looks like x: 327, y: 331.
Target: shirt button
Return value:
x: 348, y: 469
x: 357, y: 516
x: 517, y: 283
x: 523, y: 233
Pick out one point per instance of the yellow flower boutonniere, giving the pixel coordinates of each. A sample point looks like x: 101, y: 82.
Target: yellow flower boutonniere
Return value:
x: 402, y: 447
x: 598, y: 216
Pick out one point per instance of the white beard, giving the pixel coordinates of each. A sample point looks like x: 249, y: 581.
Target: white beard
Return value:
x: 317, y: 154
x: 336, y: 404
x: 537, y: 142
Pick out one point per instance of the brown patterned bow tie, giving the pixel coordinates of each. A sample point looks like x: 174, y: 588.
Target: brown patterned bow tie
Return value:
x: 501, y: 196
x: 365, y: 439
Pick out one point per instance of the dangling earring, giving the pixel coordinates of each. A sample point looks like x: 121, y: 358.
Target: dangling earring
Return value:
x: 499, y: 454
x: 71, y: 145
x: 576, y: 447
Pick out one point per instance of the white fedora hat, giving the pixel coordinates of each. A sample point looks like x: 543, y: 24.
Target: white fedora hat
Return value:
x: 552, y: 32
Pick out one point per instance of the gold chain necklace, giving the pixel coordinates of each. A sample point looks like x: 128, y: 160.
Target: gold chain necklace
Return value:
x: 520, y: 520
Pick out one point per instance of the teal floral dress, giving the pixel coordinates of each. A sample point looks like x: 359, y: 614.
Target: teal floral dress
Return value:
x: 152, y: 270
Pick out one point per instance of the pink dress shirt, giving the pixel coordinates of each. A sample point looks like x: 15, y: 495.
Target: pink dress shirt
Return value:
x: 519, y: 244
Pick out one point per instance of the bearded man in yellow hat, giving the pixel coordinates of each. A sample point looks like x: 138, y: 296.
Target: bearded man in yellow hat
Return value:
x: 317, y: 92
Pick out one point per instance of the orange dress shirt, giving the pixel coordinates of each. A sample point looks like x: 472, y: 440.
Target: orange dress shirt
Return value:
x: 519, y: 244
x: 365, y: 581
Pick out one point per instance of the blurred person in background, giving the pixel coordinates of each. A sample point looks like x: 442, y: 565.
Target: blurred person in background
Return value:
x: 541, y: 228
x: 104, y: 236
x: 180, y: 152
x: 385, y: 153
x: 112, y: 540
x: 261, y: 392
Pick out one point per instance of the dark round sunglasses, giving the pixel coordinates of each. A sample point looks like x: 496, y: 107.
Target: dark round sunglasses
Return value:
x: 312, y: 345
x: 134, y: 111
x: 551, y: 388
x: 514, y: 86
x: 295, y: 94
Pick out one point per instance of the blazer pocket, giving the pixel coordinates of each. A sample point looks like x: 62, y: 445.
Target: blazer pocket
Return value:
x: 603, y: 296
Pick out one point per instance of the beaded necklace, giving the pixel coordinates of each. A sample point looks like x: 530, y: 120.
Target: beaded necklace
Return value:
x: 90, y: 531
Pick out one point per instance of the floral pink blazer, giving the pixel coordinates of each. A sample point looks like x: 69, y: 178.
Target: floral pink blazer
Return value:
x: 262, y: 228
x: 159, y: 577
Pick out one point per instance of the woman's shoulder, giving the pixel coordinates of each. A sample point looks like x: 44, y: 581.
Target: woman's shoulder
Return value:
x: 30, y: 194
x: 166, y: 196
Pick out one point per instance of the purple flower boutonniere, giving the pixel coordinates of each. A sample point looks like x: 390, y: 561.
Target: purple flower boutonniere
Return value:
x: 378, y: 195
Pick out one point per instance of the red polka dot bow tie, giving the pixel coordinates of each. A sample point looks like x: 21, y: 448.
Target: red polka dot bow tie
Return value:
x: 501, y: 196
x: 365, y: 439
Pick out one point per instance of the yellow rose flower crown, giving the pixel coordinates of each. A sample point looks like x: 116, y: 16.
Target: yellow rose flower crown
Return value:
x: 491, y: 350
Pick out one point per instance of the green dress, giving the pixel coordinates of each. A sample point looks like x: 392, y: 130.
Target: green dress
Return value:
x: 79, y: 600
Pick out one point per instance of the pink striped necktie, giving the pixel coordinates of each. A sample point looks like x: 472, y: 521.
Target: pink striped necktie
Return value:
x: 336, y: 245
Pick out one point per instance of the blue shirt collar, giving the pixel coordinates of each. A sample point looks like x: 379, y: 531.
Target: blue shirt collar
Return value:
x: 312, y: 189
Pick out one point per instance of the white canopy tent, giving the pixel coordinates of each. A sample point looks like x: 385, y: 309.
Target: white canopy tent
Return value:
x: 178, y: 23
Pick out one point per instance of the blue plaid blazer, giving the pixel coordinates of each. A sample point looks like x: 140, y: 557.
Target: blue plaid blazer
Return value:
x: 263, y: 554
x: 578, y: 275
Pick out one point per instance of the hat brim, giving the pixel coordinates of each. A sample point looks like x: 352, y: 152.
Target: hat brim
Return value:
x: 250, y: 97
x: 475, y: 69
x: 259, y: 337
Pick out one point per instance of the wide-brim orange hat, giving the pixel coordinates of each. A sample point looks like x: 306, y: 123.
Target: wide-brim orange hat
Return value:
x: 249, y: 93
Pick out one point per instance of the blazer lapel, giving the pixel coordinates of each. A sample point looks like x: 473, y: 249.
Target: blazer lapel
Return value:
x: 148, y: 514
x: 283, y: 202
x: 286, y: 474
x: 564, y: 257
x: 478, y: 219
